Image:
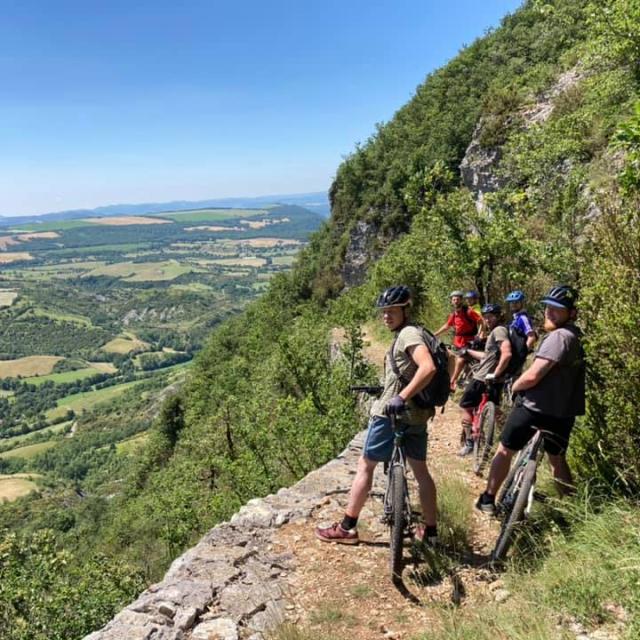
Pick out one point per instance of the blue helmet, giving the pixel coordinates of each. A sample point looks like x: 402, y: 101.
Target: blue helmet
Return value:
x: 472, y: 294
x: 515, y: 296
x: 495, y: 309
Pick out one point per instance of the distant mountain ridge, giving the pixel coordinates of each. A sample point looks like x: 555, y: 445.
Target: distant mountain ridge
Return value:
x: 317, y: 202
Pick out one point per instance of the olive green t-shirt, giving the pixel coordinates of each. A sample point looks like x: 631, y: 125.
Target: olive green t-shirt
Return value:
x: 408, y: 337
x: 491, y: 357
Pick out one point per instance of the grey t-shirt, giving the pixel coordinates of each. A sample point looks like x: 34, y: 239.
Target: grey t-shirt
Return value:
x: 408, y: 337
x: 491, y: 358
x: 561, y: 393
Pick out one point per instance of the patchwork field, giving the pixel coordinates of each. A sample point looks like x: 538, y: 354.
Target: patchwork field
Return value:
x: 14, y: 256
x: 15, y: 486
x: 78, y: 402
x: 143, y: 271
x: 7, y: 297
x: 240, y: 262
x: 125, y: 345
x: 66, y: 376
x: 123, y: 221
x: 27, y: 452
x: 28, y: 366
x: 212, y: 215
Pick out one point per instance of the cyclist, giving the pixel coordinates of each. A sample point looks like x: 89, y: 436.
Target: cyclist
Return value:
x: 466, y: 324
x: 521, y: 321
x: 414, y: 362
x: 552, y: 394
x: 493, y: 362
x: 472, y: 298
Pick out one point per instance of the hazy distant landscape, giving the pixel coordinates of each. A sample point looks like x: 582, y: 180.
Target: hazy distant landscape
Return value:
x: 91, y: 307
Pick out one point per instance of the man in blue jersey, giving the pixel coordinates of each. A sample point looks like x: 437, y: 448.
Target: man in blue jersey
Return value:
x: 521, y: 321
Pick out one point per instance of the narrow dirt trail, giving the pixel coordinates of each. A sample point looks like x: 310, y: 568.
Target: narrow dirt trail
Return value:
x: 345, y: 591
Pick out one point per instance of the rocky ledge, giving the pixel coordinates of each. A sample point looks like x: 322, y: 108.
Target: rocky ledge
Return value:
x: 232, y: 585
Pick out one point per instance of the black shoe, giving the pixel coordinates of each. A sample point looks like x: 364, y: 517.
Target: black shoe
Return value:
x: 486, y: 504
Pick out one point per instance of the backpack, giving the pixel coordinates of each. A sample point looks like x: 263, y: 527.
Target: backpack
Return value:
x: 519, y: 350
x: 436, y: 393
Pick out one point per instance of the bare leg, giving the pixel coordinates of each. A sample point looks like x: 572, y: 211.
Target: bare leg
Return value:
x: 457, y: 370
x: 361, y: 486
x: 499, y: 469
x: 426, y: 490
x: 562, y: 474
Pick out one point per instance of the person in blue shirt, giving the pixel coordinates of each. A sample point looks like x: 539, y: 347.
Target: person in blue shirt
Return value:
x: 521, y: 321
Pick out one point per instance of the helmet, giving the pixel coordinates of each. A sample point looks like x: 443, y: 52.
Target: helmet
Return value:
x: 562, y: 296
x: 459, y: 294
x: 515, y: 296
x: 496, y: 309
x: 472, y: 294
x: 397, y: 296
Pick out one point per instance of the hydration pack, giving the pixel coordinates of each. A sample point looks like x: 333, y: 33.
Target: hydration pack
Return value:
x: 437, y: 392
x: 519, y: 350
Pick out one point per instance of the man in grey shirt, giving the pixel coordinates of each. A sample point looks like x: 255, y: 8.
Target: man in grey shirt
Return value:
x: 552, y: 394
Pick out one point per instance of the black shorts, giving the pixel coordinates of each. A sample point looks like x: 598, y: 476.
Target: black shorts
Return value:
x: 519, y: 429
x: 473, y: 394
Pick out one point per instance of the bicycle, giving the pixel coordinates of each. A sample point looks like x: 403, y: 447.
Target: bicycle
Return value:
x: 516, y: 495
x: 397, y: 513
x: 483, y: 429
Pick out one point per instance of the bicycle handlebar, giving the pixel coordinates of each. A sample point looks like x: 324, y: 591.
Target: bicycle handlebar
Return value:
x: 372, y: 390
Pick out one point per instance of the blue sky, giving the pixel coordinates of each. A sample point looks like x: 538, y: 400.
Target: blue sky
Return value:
x: 110, y: 101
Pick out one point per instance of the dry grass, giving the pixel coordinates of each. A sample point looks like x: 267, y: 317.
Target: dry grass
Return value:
x: 7, y: 241
x: 39, y: 235
x: 103, y: 367
x: 240, y: 262
x: 7, y: 297
x: 15, y: 486
x: 14, y: 256
x: 28, y: 366
x: 123, y: 221
x: 124, y: 345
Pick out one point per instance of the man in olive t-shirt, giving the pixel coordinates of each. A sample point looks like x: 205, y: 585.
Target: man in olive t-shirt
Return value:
x: 552, y: 394
x: 415, y: 363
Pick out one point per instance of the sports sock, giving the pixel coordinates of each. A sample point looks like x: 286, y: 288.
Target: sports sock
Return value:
x: 348, y: 522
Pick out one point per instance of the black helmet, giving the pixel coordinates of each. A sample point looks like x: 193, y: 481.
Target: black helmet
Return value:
x: 496, y: 309
x: 397, y: 296
x: 562, y: 296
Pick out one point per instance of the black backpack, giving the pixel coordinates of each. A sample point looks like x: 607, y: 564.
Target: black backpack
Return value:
x: 437, y: 392
x: 519, y: 350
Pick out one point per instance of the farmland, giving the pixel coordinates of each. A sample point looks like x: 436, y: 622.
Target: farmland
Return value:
x: 96, y: 309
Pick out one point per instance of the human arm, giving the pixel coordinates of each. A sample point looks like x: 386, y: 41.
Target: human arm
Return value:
x: 532, y: 376
x: 505, y: 356
x: 421, y: 356
x: 532, y: 338
x: 448, y: 324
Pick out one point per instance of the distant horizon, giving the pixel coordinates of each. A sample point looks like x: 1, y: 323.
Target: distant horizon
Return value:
x: 176, y: 201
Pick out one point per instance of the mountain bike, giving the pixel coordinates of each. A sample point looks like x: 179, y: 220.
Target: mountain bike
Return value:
x: 397, y: 512
x: 515, y: 498
x: 483, y: 429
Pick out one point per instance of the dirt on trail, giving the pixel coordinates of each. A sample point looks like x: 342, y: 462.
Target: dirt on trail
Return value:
x: 346, y: 591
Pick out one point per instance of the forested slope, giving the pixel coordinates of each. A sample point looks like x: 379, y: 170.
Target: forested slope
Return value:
x: 549, y: 193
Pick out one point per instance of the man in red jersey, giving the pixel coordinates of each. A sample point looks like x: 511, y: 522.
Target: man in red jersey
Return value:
x: 465, y: 323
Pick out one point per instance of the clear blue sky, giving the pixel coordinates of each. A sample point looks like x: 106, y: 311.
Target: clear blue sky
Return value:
x: 110, y: 101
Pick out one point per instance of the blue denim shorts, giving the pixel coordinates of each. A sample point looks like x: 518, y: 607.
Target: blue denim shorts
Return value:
x: 378, y: 445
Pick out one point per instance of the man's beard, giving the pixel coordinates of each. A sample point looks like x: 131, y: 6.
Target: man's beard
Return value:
x: 549, y: 325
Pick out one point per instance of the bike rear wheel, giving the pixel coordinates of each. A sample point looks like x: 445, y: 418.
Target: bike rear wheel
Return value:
x: 483, y: 444
x: 398, y: 519
x: 516, y: 514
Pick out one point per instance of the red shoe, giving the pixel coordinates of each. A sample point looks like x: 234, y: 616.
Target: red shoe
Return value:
x: 335, y: 533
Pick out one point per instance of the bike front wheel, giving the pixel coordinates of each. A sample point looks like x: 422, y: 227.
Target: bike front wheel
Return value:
x: 483, y: 444
x: 398, y: 519
x: 516, y: 515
